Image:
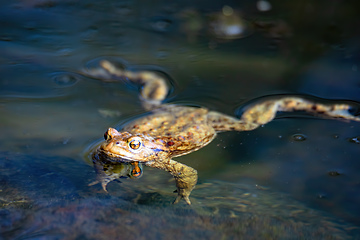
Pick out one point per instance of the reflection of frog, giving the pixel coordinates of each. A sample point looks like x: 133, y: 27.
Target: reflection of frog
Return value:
x: 109, y: 171
x: 171, y: 131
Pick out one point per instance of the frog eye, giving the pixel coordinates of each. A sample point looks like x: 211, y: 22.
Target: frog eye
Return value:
x: 111, y: 133
x: 135, y: 144
x: 106, y: 136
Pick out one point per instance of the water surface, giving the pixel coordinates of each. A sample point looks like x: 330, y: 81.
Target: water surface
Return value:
x: 296, y: 177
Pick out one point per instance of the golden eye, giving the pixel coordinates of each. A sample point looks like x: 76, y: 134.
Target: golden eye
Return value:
x: 135, y: 144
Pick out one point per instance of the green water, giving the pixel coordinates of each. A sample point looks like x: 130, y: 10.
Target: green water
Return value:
x: 252, y: 185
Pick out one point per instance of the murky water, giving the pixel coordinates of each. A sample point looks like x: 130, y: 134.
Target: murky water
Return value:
x: 296, y: 177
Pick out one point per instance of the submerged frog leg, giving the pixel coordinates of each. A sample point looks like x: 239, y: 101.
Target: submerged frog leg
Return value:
x: 153, y: 87
x: 263, y: 112
x: 185, y: 177
x: 103, y: 181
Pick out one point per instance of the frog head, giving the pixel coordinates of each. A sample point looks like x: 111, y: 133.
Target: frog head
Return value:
x: 127, y: 147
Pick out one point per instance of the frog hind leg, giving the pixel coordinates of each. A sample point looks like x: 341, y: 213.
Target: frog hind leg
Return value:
x: 221, y: 122
x: 261, y: 113
x: 185, y: 177
x: 153, y: 87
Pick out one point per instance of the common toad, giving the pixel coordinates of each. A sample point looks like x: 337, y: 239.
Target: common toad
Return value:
x: 170, y: 131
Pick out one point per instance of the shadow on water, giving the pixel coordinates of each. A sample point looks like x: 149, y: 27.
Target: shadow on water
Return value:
x: 293, y: 178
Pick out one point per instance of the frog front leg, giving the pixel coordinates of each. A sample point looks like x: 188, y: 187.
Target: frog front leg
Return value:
x: 185, y: 177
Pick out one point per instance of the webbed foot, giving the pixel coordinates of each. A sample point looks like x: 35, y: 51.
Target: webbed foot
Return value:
x: 185, y: 177
x: 185, y: 183
x: 183, y: 194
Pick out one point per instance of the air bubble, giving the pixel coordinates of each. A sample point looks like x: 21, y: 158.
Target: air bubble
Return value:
x: 336, y: 136
x: 263, y: 6
x: 321, y: 195
x: 298, y: 137
x: 161, y: 24
x: 334, y: 173
x: 354, y: 68
x: 354, y: 140
x: 161, y: 55
x: 227, y: 10
x: 65, y: 52
x: 65, y: 79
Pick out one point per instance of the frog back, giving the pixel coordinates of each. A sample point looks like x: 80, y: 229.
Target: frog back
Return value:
x: 181, y: 130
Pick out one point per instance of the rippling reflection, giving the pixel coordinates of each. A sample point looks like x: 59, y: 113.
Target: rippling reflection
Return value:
x: 107, y: 171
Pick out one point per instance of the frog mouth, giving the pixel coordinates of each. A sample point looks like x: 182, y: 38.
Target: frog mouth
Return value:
x: 113, y: 157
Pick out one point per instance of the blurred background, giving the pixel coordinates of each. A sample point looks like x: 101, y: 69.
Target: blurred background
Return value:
x: 296, y: 176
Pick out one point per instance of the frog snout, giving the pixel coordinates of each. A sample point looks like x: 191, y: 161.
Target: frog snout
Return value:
x: 107, y: 146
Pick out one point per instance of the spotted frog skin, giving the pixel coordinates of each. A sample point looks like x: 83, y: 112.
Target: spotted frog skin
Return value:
x: 170, y: 131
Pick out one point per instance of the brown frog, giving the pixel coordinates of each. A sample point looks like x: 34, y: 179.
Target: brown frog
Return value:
x: 170, y: 131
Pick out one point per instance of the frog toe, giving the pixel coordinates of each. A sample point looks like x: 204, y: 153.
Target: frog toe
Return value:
x: 179, y: 197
